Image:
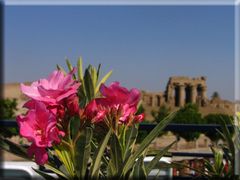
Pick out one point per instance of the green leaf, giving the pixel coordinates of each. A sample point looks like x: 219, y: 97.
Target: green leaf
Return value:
x: 116, y: 154
x: 111, y: 171
x: 209, y: 167
x: 94, y: 172
x: 43, y: 174
x: 138, y: 171
x: 82, y: 90
x: 158, y: 156
x: 98, y: 70
x: 82, y: 97
x: 69, y: 65
x: 55, y: 170
x: 88, y: 85
x: 228, y: 137
x: 83, y: 151
x: 59, y: 68
x: 64, y: 156
x: 74, y: 125
x: 13, y: 148
x: 103, y: 81
x: 131, y: 135
x: 147, y: 141
x: 80, y: 69
x: 93, y: 73
x: 70, y: 68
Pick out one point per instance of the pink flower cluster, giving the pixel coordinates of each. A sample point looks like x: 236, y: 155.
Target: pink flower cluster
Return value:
x: 118, y: 99
x: 52, y: 98
x: 48, y: 98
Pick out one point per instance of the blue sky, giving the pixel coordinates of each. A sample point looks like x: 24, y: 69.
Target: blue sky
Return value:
x: 143, y: 45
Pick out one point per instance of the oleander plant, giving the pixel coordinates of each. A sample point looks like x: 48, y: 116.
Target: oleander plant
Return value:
x: 80, y: 128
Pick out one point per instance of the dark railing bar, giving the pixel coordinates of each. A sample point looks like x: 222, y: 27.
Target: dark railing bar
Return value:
x: 191, y: 154
x: 185, y: 127
x: 148, y: 127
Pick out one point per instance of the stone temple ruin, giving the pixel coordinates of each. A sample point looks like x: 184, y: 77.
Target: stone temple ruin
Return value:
x: 181, y: 90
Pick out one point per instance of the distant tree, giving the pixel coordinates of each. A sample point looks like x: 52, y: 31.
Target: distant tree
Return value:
x: 217, y: 119
x: 162, y: 112
x: 189, y: 114
x: 8, y: 109
x: 215, y: 95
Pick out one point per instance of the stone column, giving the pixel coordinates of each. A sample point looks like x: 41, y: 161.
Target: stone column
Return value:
x: 204, y: 92
x: 170, y: 95
x: 158, y: 100
x: 193, y: 93
x: 151, y: 100
x: 181, y: 95
x: 204, y: 95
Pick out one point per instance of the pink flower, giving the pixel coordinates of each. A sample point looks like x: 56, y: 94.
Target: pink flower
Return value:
x: 57, y: 109
x: 40, y: 153
x: 116, y: 99
x: 139, y: 118
x: 120, y: 95
x: 39, y: 127
x: 95, y: 112
x: 53, y: 89
x: 72, y: 104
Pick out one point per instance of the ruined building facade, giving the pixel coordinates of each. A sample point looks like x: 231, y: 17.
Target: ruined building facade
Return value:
x: 181, y: 90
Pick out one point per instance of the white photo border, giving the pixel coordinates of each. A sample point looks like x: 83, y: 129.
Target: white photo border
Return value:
x: 235, y: 3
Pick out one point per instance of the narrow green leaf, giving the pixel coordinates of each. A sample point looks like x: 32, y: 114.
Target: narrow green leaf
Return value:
x: 55, y: 170
x: 210, y: 168
x: 83, y: 151
x: 98, y: 156
x: 59, y: 68
x: 70, y: 67
x: 65, y: 156
x: 158, y: 156
x: 116, y: 153
x: 43, y: 174
x: 94, y: 76
x: 131, y: 136
x: 98, y: 70
x: 88, y: 85
x: 103, y: 81
x: 228, y: 137
x: 147, y: 141
x: 111, y: 171
x: 74, y: 126
x: 82, y: 90
x: 13, y: 148
x: 80, y: 69
x: 138, y: 171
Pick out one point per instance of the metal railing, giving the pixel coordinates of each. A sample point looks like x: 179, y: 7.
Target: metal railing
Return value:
x: 148, y: 127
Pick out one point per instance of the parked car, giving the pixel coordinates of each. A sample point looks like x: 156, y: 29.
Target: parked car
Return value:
x: 20, y: 170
